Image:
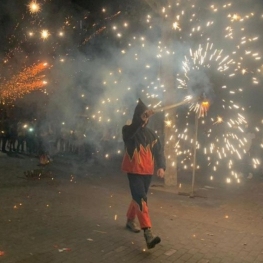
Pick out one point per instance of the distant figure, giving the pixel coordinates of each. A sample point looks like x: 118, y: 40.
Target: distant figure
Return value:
x: 30, y: 138
x: 43, y: 138
x: 5, y: 134
x: 12, y: 136
x: 21, y: 136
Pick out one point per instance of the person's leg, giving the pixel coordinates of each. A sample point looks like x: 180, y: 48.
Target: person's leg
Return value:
x: 131, y: 214
x: 139, y: 185
x: 12, y: 144
x: 22, y: 144
x: 4, y: 142
x: 137, y: 191
x: 19, y: 143
x: 147, y: 182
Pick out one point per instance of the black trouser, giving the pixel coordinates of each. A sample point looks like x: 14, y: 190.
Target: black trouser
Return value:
x: 4, y: 142
x: 139, y: 186
x: 20, y: 143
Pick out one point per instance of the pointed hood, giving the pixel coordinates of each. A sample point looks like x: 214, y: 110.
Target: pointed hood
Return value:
x: 139, y: 110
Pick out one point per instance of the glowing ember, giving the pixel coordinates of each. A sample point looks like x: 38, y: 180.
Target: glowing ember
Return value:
x: 34, y: 7
x: 44, y: 34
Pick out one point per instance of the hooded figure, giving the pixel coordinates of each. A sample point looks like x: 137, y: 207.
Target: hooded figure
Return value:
x: 143, y: 149
x: 139, y: 110
x: 143, y: 153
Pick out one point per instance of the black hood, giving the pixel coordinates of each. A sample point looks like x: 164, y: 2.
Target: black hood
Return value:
x: 139, y: 110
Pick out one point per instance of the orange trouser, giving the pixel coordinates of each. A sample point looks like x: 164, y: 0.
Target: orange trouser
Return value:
x: 143, y: 215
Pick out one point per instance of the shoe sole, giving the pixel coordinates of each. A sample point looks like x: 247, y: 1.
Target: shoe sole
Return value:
x: 133, y: 230
x: 154, y: 242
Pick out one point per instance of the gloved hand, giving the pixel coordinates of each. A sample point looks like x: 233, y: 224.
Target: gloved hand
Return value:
x: 147, y: 114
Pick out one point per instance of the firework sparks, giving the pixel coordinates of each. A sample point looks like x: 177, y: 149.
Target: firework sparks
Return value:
x: 24, y: 82
x: 204, y: 65
x: 34, y: 7
x: 44, y: 34
x: 207, y: 70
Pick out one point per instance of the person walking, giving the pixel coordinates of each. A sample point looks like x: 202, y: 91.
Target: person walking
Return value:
x: 143, y: 153
x: 12, y: 136
x: 5, y: 134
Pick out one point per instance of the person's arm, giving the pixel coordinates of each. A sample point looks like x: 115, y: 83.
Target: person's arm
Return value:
x: 129, y: 131
x: 159, y: 157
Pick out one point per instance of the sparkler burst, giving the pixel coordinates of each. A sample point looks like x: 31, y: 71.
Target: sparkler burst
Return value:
x: 211, y: 53
x: 23, y: 41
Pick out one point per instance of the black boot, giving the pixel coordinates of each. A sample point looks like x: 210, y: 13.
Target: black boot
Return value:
x: 131, y: 225
x: 151, y: 240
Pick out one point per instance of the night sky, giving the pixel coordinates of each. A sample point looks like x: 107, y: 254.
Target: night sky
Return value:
x: 13, y: 13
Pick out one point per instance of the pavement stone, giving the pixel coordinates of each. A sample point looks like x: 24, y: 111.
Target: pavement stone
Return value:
x: 76, y: 213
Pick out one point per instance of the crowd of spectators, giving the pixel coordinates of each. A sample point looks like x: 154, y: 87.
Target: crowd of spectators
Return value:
x: 38, y: 138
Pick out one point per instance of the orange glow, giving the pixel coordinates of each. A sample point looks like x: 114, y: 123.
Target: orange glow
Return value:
x: 24, y: 82
x: 205, y: 104
x: 204, y: 107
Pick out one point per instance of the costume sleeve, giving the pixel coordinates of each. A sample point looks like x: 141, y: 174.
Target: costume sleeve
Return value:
x: 129, y: 131
x: 159, y: 156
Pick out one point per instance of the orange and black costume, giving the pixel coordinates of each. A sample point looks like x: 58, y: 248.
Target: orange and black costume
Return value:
x: 143, y: 153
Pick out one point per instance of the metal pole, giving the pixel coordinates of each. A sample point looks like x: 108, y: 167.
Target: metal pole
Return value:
x: 194, y: 157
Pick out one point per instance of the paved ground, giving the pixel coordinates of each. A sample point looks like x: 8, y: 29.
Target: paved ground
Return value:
x: 75, y: 213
